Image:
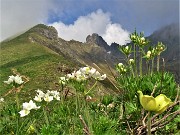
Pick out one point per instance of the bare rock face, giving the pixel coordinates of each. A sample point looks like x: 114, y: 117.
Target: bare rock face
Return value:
x: 45, y: 31
x: 96, y: 39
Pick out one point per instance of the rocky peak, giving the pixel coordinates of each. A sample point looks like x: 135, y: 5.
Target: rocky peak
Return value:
x: 47, y: 31
x: 114, y: 46
x: 96, y: 39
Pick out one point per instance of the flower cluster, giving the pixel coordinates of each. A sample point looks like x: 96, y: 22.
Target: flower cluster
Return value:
x: 151, y: 53
x: 138, y: 39
x: 125, y: 49
x: 160, y: 48
x: 48, y: 97
x: 14, y: 80
x: 83, y: 74
x: 40, y: 96
x: 121, y: 68
x: 27, y: 106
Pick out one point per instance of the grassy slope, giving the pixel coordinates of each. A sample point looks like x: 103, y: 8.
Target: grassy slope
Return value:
x: 35, y: 61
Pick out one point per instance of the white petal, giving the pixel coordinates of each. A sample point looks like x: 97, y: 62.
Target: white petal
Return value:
x: 37, y: 98
x: 24, y: 113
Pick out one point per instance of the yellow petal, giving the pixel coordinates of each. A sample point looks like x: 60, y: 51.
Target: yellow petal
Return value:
x: 148, y: 102
x: 162, y: 103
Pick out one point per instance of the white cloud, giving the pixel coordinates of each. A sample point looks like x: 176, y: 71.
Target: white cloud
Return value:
x: 20, y: 15
x: 95, y: 22
x: 115, y: 33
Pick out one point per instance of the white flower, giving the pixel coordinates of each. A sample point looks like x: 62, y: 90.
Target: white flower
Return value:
x: 92, y: 71
x: 127, y: 47
x: 102, y: 77
x: 27, y: 107
x: 110, y: 105
x: 24, y: 113
x: 120, y: 64
x: 10, y: 80
x: 57, y: 97
x: 62, y: 80
x: 96, y: 75
x: 142, y: 39
x: 1, y: 100
x: 37, y: 98
x: 84, y: 70
x: 131, y: 61
x: 30, y: 105
x: 80, y: 76
x: 18, y: 79
x: 148, y: 54
x: 78, y: 73
x: 70, y: 76
x: 40, y: 93
x: 55, y: 94
x: 48, y: 98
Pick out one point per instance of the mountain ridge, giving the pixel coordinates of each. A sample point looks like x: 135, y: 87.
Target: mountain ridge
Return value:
x: 96, y: 50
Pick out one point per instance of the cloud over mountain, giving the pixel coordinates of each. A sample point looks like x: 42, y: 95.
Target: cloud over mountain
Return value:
x: 96, y: 22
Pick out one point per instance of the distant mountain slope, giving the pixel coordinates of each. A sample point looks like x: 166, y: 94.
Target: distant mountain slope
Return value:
x: 169, y: 35
x: 42, y: 65
x: 83, y: 53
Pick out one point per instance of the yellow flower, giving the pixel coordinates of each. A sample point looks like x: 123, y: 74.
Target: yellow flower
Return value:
x: 158, y: 104
x: 162, y: 103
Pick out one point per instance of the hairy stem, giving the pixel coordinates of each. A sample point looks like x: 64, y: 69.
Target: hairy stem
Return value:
x: 149, y: 123
x: 135, y: 62
x: 140, y: 63
x: 158, y: 58
x: 152, y: 66
x: 91, y: 88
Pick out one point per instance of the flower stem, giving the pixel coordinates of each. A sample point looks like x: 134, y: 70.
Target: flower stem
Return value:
x: 77, y: 104
x: 148, y: 67
x: 132, y: 71
x: 149, y: 123
x: 152, y: 66
x: 91, y: 88
x: 158, y: 58
x: 135, y: 68
x: 45, y: 116
x: 17, y: 101
x: 140, y: 63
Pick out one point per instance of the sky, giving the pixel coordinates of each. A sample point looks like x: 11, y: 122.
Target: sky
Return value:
x: 114, y: 20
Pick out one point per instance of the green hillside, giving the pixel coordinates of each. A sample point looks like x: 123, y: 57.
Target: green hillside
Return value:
x: 40, y: 64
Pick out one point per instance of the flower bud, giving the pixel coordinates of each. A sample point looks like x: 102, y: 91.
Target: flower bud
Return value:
x: 131, y: 61
x: 120, y: 65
